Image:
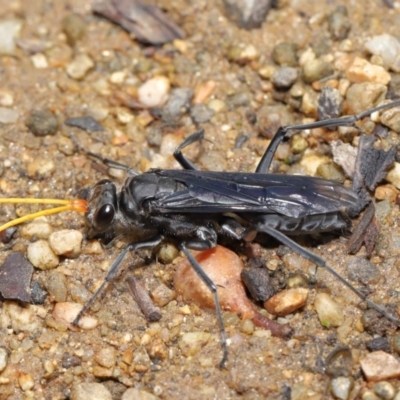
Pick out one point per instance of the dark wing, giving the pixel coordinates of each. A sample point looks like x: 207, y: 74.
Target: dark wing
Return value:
x: 219, y: 192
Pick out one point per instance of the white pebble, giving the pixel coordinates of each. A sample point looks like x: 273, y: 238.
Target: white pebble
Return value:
x: 39, y: 61
x: 39, y: 228
x: 3, y: 358
x: 154, y: 92
x: 22, y: 318
x: 66, y: 242
x: 26, y: 381
x: 68, y: 311
x: 137, y: 394
x: 90, y: 391
x: 8, y: 115
x: 6, y: 98
x: 388, y: 48
x: 79, y: 66
x: 9, y: 30
x: 41, y: 167
x: 393, y: 175
x: 191, y: 343
x: 329, y: 312
x: 41, y: 255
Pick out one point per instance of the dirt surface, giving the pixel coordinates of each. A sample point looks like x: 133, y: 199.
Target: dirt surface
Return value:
x: 47, y: 359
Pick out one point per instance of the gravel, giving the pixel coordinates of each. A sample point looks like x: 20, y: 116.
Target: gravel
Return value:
x: 68, y: 63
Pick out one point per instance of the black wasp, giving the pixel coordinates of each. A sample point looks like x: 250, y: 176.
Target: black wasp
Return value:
x: 194, y: 208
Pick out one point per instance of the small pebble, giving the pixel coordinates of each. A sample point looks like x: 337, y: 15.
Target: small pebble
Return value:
x: 330, y: 171
x: 41, y: 168
x: 369, y: 395
x: 38, y: 294
x: 386, y: 192
x: 284, y: 54
x: 154, y: 92
x: 67, y: 312
x: 329, y: 312
x: 56, y: 285
x: 41, y: 255
x: 247, y: 326
x: 6, y: 98
x: 284, y: 77
x: 9, y: 31
x: 359, y: 269
x: 162, y: 295
x: 177, y: 105
x: 243, y: 54
x: 393, y: 176
x: 191, y: 343
x: 80, y: 294
x: 239, y: 99
x: 316, y: 69
x: 379, y: 366
x: 258, y: 283
x: 384, y: 390
x: 203, y: 91
x: 271, y: 118
x: 69, y: 361
x: 15, y: 277
x: 37, y: 228
x: 339, y: 23
x: 106, y: 357
x: 42, y: 123
x: 247, y: 14
x: 201, y: 113
x: 39, y: 61
x: 309, y: 104
x: 86, y: 123
x: 298, y: 144
x: 362, y: 96
x: 8, y: 115
x: 66, y: 242
x: 74, y: 28
x: 391, y: 118
x: 286, y: 301
x: 26, y: 381
x: 395, y: 343
x: 329, y: 103
x: 312, y: 162
x: 378, y: 343
x: 341, y: 387
x: 90, y: 391
x: 167, y: 253
x: 137, y: 394
x: 79, y: 66
x: 3, y: 358
x: 345, y: 156
x: 388, y: 48
x: 217, y: 105
x: 363, y: 71
x: 23, y: 317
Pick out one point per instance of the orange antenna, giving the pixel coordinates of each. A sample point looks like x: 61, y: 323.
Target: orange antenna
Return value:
x: 78, y: 205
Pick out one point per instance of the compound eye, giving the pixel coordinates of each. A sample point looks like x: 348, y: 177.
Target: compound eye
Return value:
x: 104, y: 216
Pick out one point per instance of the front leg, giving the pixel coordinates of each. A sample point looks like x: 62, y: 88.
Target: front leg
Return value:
x: 115, y: 267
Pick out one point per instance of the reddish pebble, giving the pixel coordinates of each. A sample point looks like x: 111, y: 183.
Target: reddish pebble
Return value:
x: 223, y: 267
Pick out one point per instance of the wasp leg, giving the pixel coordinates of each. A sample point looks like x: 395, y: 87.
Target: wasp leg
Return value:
x: 320, y: 262
x: 182, y: 160
x: 106, y: 161
x: 115, y: 266
x: 213, y: 289
x: 284, y: 132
